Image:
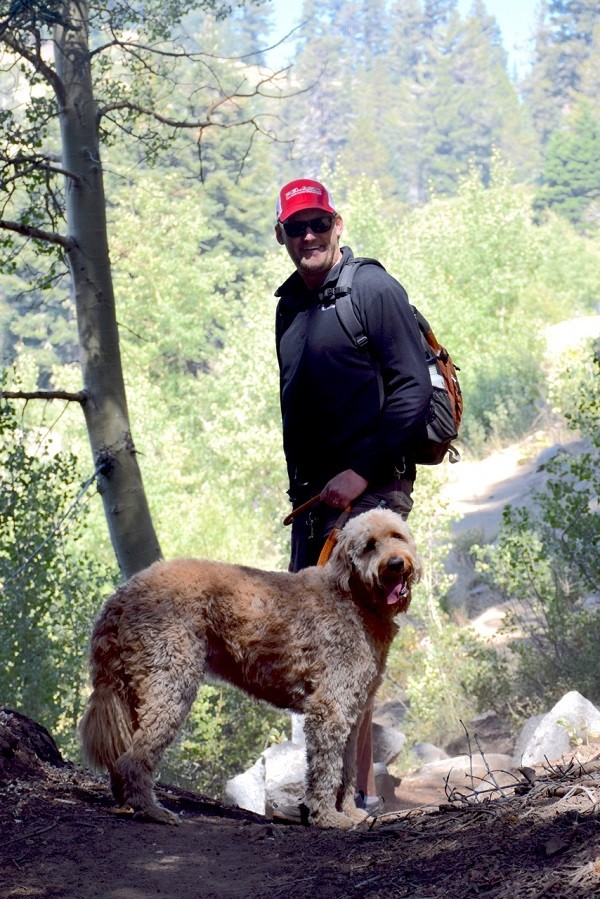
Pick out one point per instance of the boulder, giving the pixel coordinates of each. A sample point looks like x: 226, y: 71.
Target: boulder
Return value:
x: 435, y: 782
x: 386, y: 785
x: 427, y: 752
x: 247, y: 790
x: 463, y: 764
x: 387, y: 740
x: 489, y: 731
x: 574, y: 718
x: 277, y: 778
x: 390, y: 714
x: 298, y: 729
x: 285, y: 769
x: 387, y: 744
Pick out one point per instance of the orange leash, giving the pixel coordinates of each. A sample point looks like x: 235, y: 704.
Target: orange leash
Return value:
x: 333, y: 536
x: 303, y: 508
x: 335, y: 531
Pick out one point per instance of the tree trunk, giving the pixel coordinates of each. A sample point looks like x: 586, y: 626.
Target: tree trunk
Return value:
x: 119, y: 478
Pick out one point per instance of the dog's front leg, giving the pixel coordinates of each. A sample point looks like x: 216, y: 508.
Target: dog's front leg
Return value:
x: 345, y: 800
x: 328, y: 728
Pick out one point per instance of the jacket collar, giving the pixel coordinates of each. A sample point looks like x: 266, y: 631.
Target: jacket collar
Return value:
x: 294, y: 290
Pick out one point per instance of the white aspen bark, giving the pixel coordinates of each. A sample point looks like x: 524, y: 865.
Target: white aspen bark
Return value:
x: 119, y: 477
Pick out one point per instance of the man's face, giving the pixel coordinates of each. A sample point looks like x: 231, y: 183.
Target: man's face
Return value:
x: 313, y: 254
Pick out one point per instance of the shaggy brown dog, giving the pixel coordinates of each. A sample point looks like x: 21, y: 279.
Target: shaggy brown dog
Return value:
x: 314, y: 642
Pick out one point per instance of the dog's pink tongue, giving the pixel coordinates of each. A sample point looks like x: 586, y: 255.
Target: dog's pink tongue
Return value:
x: 395, y: 595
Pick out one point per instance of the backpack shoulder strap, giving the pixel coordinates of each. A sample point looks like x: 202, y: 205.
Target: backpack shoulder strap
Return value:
x: 350, y: 321
x: 341, y: 295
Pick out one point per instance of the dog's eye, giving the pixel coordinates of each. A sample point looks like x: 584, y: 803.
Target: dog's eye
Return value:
x: 371, y: 545
x: 395, y: 536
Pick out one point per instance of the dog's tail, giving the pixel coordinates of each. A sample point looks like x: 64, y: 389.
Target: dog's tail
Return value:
x: 106, y: 728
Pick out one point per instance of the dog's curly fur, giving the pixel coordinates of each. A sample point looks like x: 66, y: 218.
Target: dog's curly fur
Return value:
x: 314, y: 642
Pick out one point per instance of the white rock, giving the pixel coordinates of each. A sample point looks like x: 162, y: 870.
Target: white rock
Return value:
x: 285, y: 771
x: 247, y: 790
x: 496, y: 761
x: 525, y: 737
x: 573, y: 718
x: 298, y: 736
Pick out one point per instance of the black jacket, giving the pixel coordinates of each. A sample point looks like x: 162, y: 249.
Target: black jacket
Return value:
x: 334, y: 416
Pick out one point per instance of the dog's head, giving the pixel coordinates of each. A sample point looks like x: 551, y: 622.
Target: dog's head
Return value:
x: 376, y: 550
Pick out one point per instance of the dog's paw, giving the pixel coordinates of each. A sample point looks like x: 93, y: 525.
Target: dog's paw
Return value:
x: 356, y: 815
x: 331, y: 818
x: 158, y: 815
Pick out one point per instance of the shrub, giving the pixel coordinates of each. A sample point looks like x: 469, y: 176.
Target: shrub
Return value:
x: 546, y: 562
x: 433, y: 661
x: 224, y: 735
x: 49, y: 590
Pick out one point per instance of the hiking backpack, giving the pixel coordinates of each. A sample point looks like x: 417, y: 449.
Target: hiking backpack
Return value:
x: 445, y: 410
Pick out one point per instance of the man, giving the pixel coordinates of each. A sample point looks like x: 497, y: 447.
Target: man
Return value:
x: 348, y: 414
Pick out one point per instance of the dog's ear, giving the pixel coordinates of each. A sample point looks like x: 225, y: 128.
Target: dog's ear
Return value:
x: 417, y: 562
x: 417, y: 568
x: 340, y: 564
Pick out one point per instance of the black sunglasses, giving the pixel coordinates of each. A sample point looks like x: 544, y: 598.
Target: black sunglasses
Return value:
x: 320, y: 225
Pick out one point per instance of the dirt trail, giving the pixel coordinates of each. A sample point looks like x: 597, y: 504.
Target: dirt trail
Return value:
x: 60, y: 837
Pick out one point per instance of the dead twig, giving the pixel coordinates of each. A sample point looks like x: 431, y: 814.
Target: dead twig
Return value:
x: 488, y: 769
x: 33, y: 833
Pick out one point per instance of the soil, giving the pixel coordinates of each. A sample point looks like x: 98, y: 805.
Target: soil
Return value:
x: 538, y: 835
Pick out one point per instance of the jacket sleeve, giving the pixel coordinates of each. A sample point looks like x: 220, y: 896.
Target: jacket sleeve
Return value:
x: 394, y: 343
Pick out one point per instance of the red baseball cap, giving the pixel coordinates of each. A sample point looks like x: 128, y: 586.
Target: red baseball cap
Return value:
x: 303, y: 193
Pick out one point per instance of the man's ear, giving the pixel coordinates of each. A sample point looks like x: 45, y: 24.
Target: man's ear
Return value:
x: 279, y: 234
x: 338, y: 225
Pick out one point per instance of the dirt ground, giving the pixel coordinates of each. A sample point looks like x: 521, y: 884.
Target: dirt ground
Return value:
x: 60, y: 836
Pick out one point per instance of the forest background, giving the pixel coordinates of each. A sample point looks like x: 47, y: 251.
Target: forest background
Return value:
x: 478, y: 187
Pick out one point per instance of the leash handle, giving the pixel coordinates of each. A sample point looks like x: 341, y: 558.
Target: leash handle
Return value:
x: 303, y: 508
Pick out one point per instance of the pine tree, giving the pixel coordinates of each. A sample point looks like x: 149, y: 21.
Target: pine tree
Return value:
x: 467, y: 103
x: 564, y: 49
x: 326, y: 64
x: 571, y: 178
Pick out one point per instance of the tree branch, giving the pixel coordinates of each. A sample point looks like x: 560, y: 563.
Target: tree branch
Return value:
x: 38, y: 234
x: 38, y: 64
x: 256, y: 91
x: 187, y: 54
x: 79, y: 397
x: 37, y: 162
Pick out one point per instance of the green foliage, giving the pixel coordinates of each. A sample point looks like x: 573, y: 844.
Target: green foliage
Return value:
x: 49, y: 590
x: 546, y: 563
x: 202, y: 382
x: 433, y: 660
x: 565, y: 48
x: 571, y: 176
x: 224, y: 735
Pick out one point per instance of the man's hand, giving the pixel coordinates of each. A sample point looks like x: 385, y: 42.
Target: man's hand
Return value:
x: 343, y: 488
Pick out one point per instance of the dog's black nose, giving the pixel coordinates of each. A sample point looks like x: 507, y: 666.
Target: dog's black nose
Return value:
x: 396, y: 563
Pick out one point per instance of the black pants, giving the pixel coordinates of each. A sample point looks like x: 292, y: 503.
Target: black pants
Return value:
x: 310, y: 530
